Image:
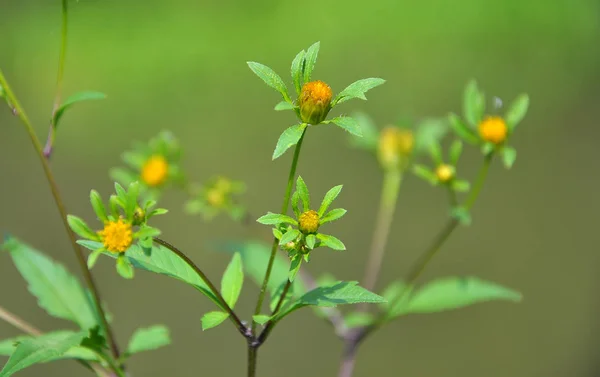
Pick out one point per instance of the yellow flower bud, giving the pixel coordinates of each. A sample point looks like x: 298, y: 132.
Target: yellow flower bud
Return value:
x: 155, y: 170
x: 395, y: 147
x: 315, y: 102
x: 215, y: 197
x: 308, y: 223
x: 138, y: 216
x: 493, y: 130
x: 444, y: 173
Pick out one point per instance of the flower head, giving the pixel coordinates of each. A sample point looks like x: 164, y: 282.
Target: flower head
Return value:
x: 155, y: 171
x: 218, y: 195
x: 493, y: 129
x: 444, y: 172
x: 395, y: 147
x: 116, y: 235
x: 308, y: 222
x: 314, y: 102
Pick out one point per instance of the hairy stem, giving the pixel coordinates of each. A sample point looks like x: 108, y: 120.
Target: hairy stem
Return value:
x: 284, y: 208
x: 59, y: 77
x: 387, y: 207
x: 89, y: 280
x: 232, y: 316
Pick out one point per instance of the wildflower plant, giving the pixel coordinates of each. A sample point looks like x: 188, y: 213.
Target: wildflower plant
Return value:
x: 281, y: 268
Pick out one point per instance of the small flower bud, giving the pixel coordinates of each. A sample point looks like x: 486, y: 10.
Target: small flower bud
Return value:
x: 155, y: 170
x: 315, y: 102
x: 309, y: 222
x: 444, y: 173
x: 215, y: 197
x: 139, y: 216
x: 395, y: 147
x: 493, y: 130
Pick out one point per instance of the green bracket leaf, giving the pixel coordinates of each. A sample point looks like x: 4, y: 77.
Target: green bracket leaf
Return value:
x: 270, y: 78
x: 75, y: 98
x: 298, y: 71
x: 310, y: 59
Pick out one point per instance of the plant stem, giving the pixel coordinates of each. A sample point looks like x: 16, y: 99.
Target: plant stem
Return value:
x: 284, y: 208
x: 387, y: 206
x: 89, y: 280
x: 251, y: 360
x: 59, y: 77
x: 234, y: 318
x: 29, y: 329
x: 269, y: 327
x: 348, y: 359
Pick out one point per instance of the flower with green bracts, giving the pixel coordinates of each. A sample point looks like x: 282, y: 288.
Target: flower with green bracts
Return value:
x: 444, y: 173
x: 125, y: 225
x: 315, y: 98
x: 491, y: 132
x: 155, y: 165
x: 217, y: 196
x: 299, y: 236
x: 396, y: 146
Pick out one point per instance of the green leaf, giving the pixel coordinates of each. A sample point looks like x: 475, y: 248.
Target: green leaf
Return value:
x: 81, y: 228
x: 277, y: 294
x: 426, y: 174
x: 509, y: 156
x: 270, y: 78
x: 359, y: 319
x: 147, y: 232
x: 284, y: 105
x: 276, y: 219
x: 232, y: 281
x: 302, y: 190
x: 58, y: 292
x: 124, y: 267
x: 455, y: 152
x: 255, y: 258
x: 357, y: 90
x: 213, y: 319
x: 295, y: 200
x: 370, y: 138
x: 517, y: 110
x: 311, y: 240
x: 457, y: 292
x: 161, y: 261
x: 8, y: 346
x: 332, y: 215
x: 349, y: 124
x: 295, y: 266
x: 462, y: 131
x: 75, y: 98
x: 462, y: 215
x: 288, y: 138
x: 331, y: 242
x: 98, y: 206
x: 338, y: 293
x: 460, y: 185
x: 310, y: 59
x: 297, y: 70
x: 39, y: 350
x: 93, y: 257
x: 487, y: 148
x: 289, y: 236
x: 261, y: 319
x: 473, y: 103
x: 436, y: 153
x: 392, y: 292
x: 149, y: 338
x: 329, y: 198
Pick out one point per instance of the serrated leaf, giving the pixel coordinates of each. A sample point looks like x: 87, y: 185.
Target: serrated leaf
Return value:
x: 473, y: 103
x: 331, y: 242
x: 213, y: 319
x: 276, y: 219
x: 348, y: 124
x: 310, y: 59
x: 457, y: 292
x: 284, y: 105
x: 295, y: 266
x: 302, y: 190
x: 270, y: 78
x: 297, y: 71
x: 233, y: 280
x: 58, y: 292
x: 261, y: 319
x: 357, y: 90
x: 147, y: 339
x: 517, y: 111
x: 330, y: 196
x: 75, y: 98
x: 339, y: 293
x: 461, y: 130
x: 255, y: 258
x: 289, y: 236
x: 40, y: 350
x: 509, y: 156
x: 161, y: 261
x: 288, y: 138
x: 332, y: 215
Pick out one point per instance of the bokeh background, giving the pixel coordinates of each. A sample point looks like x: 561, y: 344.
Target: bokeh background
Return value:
x: 180, y: 65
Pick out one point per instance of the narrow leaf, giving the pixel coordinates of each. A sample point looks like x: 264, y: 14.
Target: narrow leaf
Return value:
x: 147, y: 339
x: 287, y: 139
x: 289, y: 236
x: 329, y: 198
x: 298, y: 70
x: 357, y: 89
x: 98, y: 206
x: 311, y: 240
x: 332, y: 215
x: 75, y: 98
x: 302, y: 190
x: 425, y: 173
x: 261, y: 319
x: 310, y: 60
x: 81, y: 228
x: 232, y: 281
x: 473, y: 103
x: 517, y: 110
x: 270, y: 78
x: 509, y: 156
x: 213, y: 319
x: 124, y: 267
x: 331, y: 242
x: 455, y: 152
x: 284, y: 105
x: 462, y: 131
x: 349, y: 124
x: 276, y: 219
x: 295, y: 266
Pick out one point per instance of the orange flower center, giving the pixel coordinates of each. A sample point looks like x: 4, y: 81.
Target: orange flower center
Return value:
x: 493, y: 130
x: 116, y: 236
x: 155, y: 170
x: 444, y: 173
x: 309, y: 222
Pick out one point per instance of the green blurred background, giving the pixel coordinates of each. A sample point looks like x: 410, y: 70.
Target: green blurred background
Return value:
x: 180, y: 65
